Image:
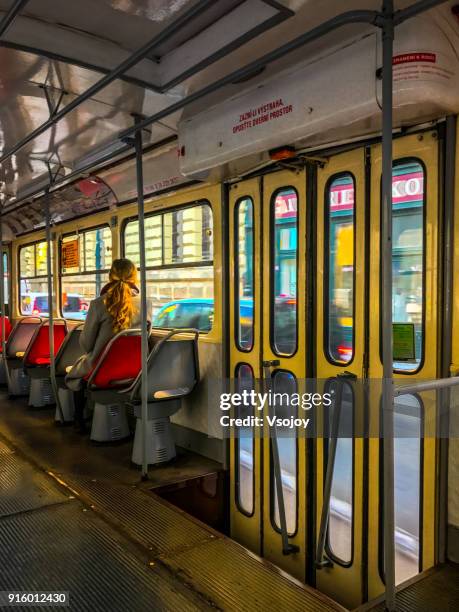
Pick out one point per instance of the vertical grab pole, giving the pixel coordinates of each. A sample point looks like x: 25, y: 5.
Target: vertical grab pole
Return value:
x: 143, y: 296
x: 52, y: 363
x: 386, y: 302
x: 2, y: 303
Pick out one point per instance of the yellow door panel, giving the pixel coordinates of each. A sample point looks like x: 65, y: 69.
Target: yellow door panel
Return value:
x: 339, y: 348
x: 415, y: 269
x: 455, y: 336
x: 284, y: 312
x: 245, y: 334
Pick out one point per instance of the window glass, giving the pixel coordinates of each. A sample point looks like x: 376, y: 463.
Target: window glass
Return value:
x: 6, y: 276
x: 180, y: 279
x: 244, y: 274
x: 33, y: 284
x: 285, y: 382
x: 245, y: 446
x: 408, y: 254
x: 85, y: 271
x: 187, y: 235
x: 408, y: 416
x: 27, y: 261
x: 339, y: 536
x: 284, y: 272
x: 153, y: 241
x: 339, y: 258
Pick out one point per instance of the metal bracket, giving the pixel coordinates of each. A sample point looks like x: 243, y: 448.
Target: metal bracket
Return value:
x: 325, y: 562
x: 54, y: 106
x: 129, y: 141
x: 347, y: 375
x: 53, y: 175
x: 271, y: 363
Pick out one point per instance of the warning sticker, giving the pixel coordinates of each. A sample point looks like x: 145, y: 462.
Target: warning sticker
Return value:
x: 70, y: 253
x: 261, y: 114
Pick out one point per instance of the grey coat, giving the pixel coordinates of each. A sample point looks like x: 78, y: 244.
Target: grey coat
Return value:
x: 97, y: 331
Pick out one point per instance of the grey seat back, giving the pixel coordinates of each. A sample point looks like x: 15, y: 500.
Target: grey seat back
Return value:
x: 173, y: 367
x: 21, y: 335
x: 69, y: 351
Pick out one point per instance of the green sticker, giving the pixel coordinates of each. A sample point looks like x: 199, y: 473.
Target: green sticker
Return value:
x: 403, y: 341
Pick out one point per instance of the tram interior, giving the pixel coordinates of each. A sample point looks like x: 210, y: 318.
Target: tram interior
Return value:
x: 252, y: 211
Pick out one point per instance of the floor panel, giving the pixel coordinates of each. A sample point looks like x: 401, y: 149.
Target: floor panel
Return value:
x: 191, y: 564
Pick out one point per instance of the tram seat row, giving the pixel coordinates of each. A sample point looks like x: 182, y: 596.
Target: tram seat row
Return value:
x: 114, y: 383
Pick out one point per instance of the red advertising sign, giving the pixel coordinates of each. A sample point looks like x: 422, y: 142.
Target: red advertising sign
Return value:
x: 409, y: 58
x: 405, y: 188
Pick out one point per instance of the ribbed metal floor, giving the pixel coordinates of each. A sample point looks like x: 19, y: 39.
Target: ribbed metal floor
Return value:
x: 21, y: 488
x: 50, y: 541
x: 193, y: 565
x: 62, y: 548
x: 245, y: 583
x: 144, y: 517
x: 437, y: 592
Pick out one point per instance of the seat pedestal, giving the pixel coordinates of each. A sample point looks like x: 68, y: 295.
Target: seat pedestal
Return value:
x: 67, y: 405
x: 41, y: 392
x: 19, y: 383
x: 109, y: 423
x: 3, y: 379
x: 160, y: 443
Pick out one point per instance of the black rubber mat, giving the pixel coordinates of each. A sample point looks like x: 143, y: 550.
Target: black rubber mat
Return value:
x: 23, y: 488
x: 437, y: 592
x: 64, y: 548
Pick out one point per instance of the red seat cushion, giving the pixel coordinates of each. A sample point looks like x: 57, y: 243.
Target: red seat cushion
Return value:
x: 121, y: 363
x: 43, y: 360
x: 38, y: 353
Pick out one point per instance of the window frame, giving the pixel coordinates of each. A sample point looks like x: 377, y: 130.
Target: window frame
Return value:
x: 25, y: 278
x: 400, y: 161
x: 237, y: 488
x: 326, y: 281
x: 85, y: 273
x: 237, y: 274
x: 163, y: 211
x: 191, y: 264
x: 272, y: 486
x: 272, y: 246
x: 7, y: 273
x: 328, y: 549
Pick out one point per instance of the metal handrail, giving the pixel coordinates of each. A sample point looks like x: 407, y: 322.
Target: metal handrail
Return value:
x: 440, y: 383
x: 321, y: 559
x: 287, y: 547
x: 11, y: 15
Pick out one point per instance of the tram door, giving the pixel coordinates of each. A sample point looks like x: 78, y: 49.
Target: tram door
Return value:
x: 268, y: 340
x: 415, y: 210
x: 340, y: 352
x: 245, y: 354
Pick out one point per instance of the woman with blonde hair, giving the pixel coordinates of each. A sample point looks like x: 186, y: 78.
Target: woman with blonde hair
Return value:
x: 117, y: 308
